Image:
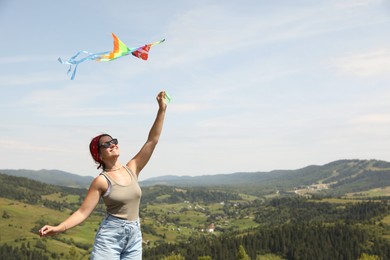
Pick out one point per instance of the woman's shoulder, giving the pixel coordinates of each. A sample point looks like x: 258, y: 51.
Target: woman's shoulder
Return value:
x: 100, y: 182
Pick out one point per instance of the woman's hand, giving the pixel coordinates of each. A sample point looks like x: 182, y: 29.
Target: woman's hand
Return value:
x: 162, y: 100
x: 50, y: 230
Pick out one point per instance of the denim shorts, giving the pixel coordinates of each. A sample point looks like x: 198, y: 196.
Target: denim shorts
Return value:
x: 117, y: 239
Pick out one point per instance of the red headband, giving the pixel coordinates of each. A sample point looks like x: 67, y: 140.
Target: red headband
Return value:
x: 94, y: 149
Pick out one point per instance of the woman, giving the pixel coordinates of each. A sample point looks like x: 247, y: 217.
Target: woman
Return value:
x: 119, y: 235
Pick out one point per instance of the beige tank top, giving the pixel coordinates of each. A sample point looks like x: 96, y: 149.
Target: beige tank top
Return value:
x: 123, y: 201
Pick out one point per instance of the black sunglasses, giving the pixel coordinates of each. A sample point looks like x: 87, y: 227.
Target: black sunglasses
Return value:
x: 108, y: 144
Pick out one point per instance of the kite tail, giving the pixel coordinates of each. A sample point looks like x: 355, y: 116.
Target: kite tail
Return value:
x: 75, y: 62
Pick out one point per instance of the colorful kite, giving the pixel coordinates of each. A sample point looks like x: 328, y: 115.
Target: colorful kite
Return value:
x: 120, y: 50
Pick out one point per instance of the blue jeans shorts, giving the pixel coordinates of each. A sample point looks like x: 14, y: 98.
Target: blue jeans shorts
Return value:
x: 117, y: 238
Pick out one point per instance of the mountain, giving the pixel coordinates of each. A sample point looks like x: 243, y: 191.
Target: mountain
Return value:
x: 335, y: 178
x: 54, y: 177
x: 338, y: 177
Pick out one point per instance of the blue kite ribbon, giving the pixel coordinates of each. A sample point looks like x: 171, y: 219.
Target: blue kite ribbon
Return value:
x: 73, y: 60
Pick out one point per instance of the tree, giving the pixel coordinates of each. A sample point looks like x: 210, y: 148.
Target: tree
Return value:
x: 73, y: 253
x: 205, y: 258
x: 174, y: 257
x: 365, y: 256
x: 5, y: 214
x: 40, y: 244
x: 242, y: 255
x: 268, y: 257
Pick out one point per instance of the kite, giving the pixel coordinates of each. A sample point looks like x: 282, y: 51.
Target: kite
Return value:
x: 120, y: 50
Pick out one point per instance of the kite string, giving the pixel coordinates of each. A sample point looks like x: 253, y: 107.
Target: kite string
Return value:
x: 168, y: 98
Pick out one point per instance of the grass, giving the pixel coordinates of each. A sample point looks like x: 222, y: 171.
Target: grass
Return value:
x: 386, y: 220
x: 244, y: 223
x: 340, y: 201
x: 57, y: 197
x: 16, y: 229
x: 189, y: 216
x: 175, y: 222
x: 269, y: 257
x: 377, y: 192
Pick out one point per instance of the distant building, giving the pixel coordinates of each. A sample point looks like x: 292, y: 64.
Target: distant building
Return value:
x: 211, y: 228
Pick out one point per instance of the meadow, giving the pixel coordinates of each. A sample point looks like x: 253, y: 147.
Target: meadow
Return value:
x: 23, y: 222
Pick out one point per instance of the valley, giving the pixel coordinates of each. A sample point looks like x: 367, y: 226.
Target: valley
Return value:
x: 192, y: 221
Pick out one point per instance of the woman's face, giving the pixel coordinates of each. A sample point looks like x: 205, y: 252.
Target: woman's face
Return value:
x: 108, y: 148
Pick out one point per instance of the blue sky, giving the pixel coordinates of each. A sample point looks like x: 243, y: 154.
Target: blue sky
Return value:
x: 256, y: 85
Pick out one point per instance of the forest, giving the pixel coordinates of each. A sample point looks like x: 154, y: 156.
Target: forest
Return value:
x: 295, y: 228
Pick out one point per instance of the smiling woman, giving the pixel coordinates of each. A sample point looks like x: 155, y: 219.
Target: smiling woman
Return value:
x: 95, y: 146
x: 119, y: 235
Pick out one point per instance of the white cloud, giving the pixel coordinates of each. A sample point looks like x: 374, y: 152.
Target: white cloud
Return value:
x: 211, y: 30
x: 351, y: 4
x: 22, y: 146
x: 26, y: 79
x: 378, y: 118
x: 365, y: 64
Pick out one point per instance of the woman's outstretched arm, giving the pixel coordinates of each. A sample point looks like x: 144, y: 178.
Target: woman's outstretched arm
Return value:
x: 138, y: 162
x: 86, y: 208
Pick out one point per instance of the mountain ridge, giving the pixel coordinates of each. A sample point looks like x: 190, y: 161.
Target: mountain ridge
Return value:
x: 339, y: 176
x: 55, y: 177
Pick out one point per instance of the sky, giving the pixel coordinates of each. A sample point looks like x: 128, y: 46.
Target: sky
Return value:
x: 256, y: 85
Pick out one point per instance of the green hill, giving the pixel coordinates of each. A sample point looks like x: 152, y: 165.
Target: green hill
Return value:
x: 55, y: 177
x: 26, y: 205
x: 335, y: 178
x: 339, y: 177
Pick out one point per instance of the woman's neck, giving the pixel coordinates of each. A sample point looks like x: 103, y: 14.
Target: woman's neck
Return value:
x: 113, y: 167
